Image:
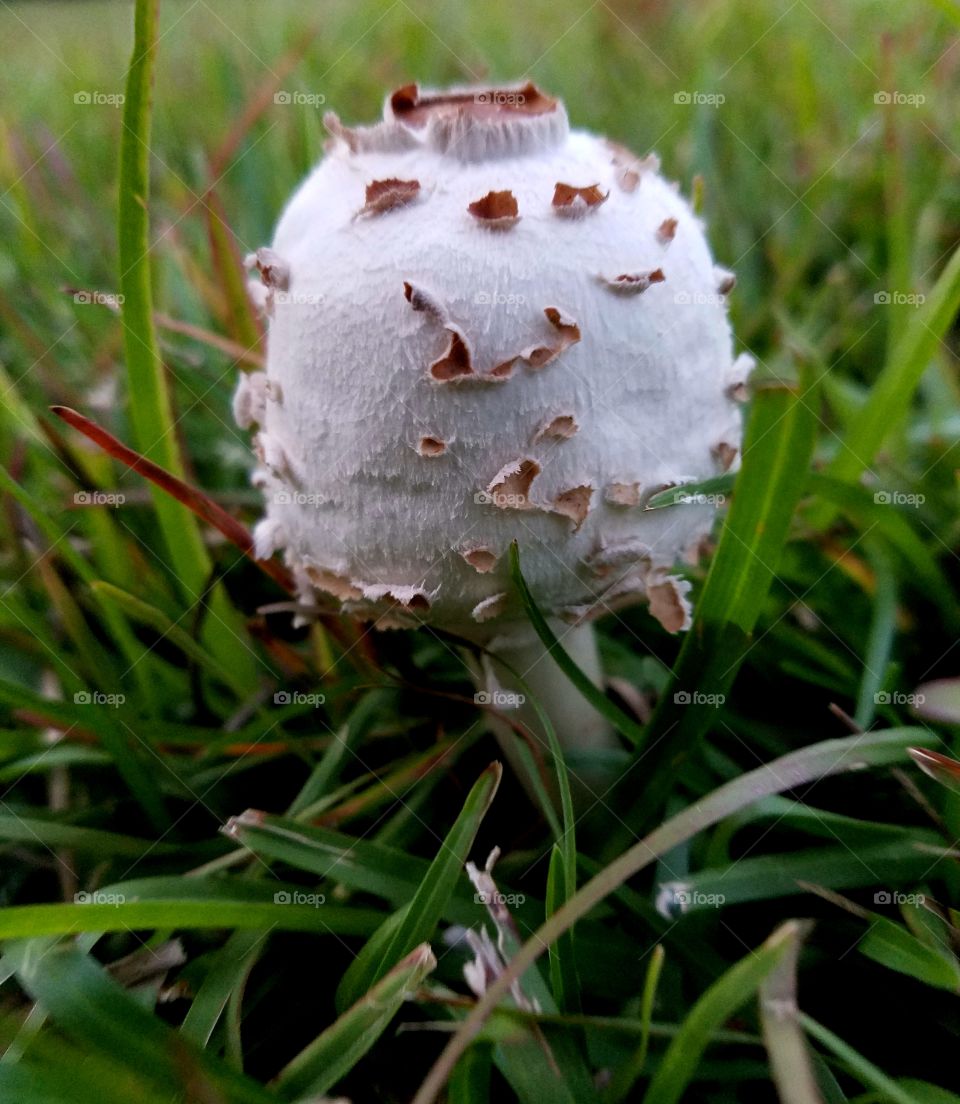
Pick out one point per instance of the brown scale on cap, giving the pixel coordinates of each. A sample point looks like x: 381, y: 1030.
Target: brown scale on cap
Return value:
x: 538, y: 356
x: 482, y: 560
x: 274, y: 270
x: 724, y: 454
x: 431, y: 446
x: 332, y: 583
x: 574, y: 504
x: 496, y: 210
x: 668, y: 606
x: 387, y: 195
x: 574, y: 202
x: 423, y: 301
x: 561, y: 428
x: 414, y: 110
x: 667, y: 231
x: 510, y: 487
x: 490, y: 607
x: 456, y: 363
x: 726, y: 280
x: 633, y: 283
x: 630, y: 168
x: 622, y: 494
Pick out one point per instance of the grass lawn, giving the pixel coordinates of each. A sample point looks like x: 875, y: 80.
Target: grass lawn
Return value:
x: 233, y: 848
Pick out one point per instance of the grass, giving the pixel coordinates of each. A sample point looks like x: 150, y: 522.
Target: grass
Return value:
x: 233, y: 851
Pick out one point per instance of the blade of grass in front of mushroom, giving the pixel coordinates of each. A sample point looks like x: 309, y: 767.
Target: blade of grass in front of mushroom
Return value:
x: 623, y: 1079
x: 150, y: 401
x: 778, y: 447
x: 811, y: 763
x: 620, y: 720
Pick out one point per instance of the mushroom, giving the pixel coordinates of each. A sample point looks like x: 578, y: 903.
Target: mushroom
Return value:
x: 438, y: 390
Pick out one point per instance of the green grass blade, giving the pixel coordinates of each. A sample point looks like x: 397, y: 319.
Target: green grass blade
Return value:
x: 893, y: 389
x: 864, y: 1071
x: 335, y: 1052
x: 776, y: 457
x: 626, y: 1077
x: 621, y: 721
x: 711, y: 1012
x: 95, y: 1011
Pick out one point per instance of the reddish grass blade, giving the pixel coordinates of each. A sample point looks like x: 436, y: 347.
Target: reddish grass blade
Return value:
x: 203, y: 506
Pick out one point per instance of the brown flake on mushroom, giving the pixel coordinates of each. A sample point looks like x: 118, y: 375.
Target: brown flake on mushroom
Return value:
x: 561, y: 428
x: 574, y: 504
x: 496, y: 210
x: 613, y: 558
x: 274, y: 270
x: 737, y: 376
x: 415, y: 109
x: 386, y: 195
x: 413, y: 599
x: 726, y: 280
x: 667, y: 231
x: 431, y: 446
x: 622, y: 494
x: 489, y: 608
x: 668, y: 602
x: 383, y: 137
x: 538, y: 356
x: 330, y: 582
x: 633, y: 283
x: 482, y: 560
x: 423, y: 301
x: 510, y: 487
x: 574, y: 202
x: 271, y: 453
x: 456, y: 363
x: 630, y: 168
x: 725, y: 454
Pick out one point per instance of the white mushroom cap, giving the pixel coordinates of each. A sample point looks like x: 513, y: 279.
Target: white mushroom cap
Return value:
x: 451, y: 368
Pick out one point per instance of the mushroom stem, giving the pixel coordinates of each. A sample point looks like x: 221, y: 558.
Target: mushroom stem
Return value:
x: 580, y: 729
